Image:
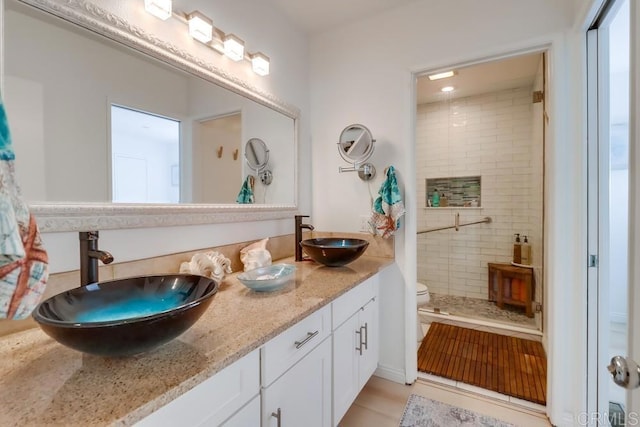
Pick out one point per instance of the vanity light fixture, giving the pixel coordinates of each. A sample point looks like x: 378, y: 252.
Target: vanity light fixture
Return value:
x: 442, y: 75
x: 159, y: 8
x: 200, y: 27
x: 260, y: 63
x: 233, y: 47
x: 447, y: 89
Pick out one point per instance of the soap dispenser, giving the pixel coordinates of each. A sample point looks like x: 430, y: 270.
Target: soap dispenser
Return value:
x: 517, y: 250
x: 444, y: 202
x: 436, y: 198
x: 526, y: 251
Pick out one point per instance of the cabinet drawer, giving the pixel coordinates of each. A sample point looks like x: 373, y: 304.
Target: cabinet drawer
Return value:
x: 283, y: 351
x: 345, y: 306
x: 215, y: 399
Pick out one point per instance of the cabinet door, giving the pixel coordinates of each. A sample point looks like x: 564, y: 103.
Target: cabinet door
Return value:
x: 302, y: 396
x: 368, y: 318
x: 247, y: 416
x: 346, y: 357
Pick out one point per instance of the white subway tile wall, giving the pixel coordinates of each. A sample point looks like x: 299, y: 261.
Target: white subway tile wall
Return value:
x: 494, y: 136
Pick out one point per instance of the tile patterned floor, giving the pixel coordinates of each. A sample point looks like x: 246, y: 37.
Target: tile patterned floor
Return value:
x: 475, y: 308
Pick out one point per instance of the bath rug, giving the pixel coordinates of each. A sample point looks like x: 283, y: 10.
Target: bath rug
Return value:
x: 513, y: 366
x: 423, y: 412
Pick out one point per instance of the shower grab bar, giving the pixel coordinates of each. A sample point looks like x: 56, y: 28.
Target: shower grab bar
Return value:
x: 457, y: 224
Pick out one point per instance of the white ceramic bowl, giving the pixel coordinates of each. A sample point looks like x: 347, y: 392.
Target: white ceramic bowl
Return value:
x: 270, y: 278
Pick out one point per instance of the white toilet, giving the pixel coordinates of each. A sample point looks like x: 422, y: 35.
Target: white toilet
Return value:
x: 422, y: 297
x: 422, y: 293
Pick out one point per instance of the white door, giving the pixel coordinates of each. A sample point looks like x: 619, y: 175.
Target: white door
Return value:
x: 614, y: 215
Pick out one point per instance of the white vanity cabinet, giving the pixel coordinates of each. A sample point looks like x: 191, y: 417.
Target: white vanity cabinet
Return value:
x: 309, y: 375
x: 355, y: 344
x: 296, y: 374
x: 227, y: 398
x: 249, y: 415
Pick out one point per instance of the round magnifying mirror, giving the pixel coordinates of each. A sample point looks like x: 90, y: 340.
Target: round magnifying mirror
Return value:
x: 356, y: 144
x: 256, y: 153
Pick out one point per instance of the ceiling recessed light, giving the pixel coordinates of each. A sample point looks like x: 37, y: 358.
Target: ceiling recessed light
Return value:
x: 447, y: 89
x: 442, y: 75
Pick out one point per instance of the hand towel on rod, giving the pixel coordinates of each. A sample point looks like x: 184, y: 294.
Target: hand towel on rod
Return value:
x: 23, y: 260
x: 388, y: 208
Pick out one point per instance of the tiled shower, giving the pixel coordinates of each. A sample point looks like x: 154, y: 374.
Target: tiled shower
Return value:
x: 498, y: 137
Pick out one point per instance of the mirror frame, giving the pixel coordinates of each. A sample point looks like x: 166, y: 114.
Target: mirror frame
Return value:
x: 57, y: 217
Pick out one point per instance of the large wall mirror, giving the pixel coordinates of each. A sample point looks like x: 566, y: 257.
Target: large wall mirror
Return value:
x: 113, y: 128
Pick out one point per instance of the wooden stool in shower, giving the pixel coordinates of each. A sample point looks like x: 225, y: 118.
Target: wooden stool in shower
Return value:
x: 509, y: 284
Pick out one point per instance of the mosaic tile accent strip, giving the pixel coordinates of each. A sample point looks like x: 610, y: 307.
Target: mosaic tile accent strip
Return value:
x: 458, y: 191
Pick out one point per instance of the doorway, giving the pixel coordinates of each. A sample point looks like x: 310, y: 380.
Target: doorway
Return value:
x: 480, y: 179
x: 609, y: 170
x: 216, y: 158
x: 479, y: 154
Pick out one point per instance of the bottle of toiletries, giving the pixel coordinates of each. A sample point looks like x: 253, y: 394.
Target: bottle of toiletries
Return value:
x: 526, y: 252
x: 444, y: 202
x: 517, y: 250
x: 436, y: 198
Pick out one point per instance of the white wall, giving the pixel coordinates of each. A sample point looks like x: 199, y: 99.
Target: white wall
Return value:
x: 264, y: 29
x: 362, y: 73
x: 491, y: 136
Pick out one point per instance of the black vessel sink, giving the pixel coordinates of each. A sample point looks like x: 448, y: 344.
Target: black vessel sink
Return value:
x: 334, y: 251
x: 127, y: 316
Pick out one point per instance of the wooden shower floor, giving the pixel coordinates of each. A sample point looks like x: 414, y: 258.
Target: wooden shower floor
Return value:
x: 513, y: 366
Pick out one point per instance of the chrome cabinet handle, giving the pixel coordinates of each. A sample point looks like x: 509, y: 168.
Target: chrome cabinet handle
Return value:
x: 308, y: 338
x: 359, y: 333
x: 365, y: 344
x: 278, y: 416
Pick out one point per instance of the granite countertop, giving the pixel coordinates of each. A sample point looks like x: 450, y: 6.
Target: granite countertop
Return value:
x: 45, y: 383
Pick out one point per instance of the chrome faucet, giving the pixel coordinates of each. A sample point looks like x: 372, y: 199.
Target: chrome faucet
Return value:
x: 89, y: 256
x: 299, y: 227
